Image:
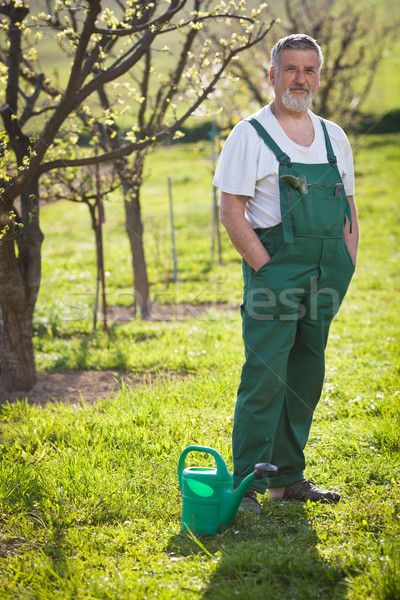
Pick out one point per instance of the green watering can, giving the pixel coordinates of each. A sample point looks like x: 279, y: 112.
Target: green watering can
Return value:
x: 209, y: 501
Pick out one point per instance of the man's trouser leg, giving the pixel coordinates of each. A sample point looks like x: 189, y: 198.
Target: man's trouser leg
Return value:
x: 305, y: 377
x: 261, y: 394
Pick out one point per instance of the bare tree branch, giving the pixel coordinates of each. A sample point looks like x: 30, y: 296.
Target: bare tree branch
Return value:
x: 137, y: 146
x: 63, y: 109
x: 31, y: 100
x: 195, y: 20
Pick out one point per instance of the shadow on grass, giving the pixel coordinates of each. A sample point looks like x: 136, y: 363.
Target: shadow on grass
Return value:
x: 275, y: 556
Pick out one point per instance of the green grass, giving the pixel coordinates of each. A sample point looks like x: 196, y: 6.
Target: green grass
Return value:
x: 90, y: 505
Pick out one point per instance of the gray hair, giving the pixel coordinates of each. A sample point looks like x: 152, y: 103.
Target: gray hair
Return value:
x: 298, y: 41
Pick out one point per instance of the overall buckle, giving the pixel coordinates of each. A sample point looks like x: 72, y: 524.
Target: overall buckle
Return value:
x: 284, y: 159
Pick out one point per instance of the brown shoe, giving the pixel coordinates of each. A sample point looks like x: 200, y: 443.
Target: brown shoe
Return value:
x: 250, y: 503
x: 304, y: 490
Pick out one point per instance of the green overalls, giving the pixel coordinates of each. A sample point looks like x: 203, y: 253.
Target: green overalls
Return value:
x: 287, y: 310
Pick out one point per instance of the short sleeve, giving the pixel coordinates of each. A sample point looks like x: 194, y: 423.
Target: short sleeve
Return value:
x: 236, y: 170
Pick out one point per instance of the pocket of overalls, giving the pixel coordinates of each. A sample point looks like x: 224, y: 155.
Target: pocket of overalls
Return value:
x: 348, y: 255
x: 275, y: 256
x: 342, y: 271
x: 319, y: 213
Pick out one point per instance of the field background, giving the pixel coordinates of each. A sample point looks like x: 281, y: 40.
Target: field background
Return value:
x: 89, y: 502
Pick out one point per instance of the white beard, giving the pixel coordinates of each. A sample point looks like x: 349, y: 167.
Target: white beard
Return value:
x: 296, y: 104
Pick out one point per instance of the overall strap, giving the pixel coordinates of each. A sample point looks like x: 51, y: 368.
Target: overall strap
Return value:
x: 333, y: 162
x: 281, y: 157
x: 284, y: 167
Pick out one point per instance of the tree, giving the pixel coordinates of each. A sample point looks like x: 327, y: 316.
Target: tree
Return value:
x: 43, y: 120
x: 354, y: 38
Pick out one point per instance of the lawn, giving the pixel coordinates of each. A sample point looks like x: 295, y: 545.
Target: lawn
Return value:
x: 90, y: 504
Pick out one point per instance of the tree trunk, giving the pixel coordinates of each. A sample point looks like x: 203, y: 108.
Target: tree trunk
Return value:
x: 20, y: 272
x: 134, y: 228
x: 131, y: 183
x: 131, y: 180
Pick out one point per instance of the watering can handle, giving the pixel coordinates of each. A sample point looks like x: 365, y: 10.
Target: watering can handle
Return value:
x: 221, y: 466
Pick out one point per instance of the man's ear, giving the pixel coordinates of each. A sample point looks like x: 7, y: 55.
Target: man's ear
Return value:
x: 271, y: 75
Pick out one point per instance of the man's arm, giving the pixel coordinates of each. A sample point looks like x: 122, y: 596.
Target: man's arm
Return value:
x: 240, y: 232
x: 352, y: 238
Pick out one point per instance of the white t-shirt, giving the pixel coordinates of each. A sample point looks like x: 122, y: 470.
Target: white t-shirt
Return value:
x: 248, y: 167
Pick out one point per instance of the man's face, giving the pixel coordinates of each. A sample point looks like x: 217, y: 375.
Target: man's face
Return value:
x: 296, y: 80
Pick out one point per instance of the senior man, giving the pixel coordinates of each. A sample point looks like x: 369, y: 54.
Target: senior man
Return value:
x: 287, y: 184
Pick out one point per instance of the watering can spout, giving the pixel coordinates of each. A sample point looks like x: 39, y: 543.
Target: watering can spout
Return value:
x: 234, y: 497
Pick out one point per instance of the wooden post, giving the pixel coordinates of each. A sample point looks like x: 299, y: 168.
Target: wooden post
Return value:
x: 100, y: 221
x: 216, y: 232
x: 171, y: 216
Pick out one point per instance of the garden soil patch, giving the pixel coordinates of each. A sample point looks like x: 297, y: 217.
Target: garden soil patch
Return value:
x: 71, y: 386
x: 169, y: 312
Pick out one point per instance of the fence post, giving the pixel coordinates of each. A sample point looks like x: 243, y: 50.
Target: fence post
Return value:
x: 100, y: 222
x: 216, y: 233
x: 171, y: 216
